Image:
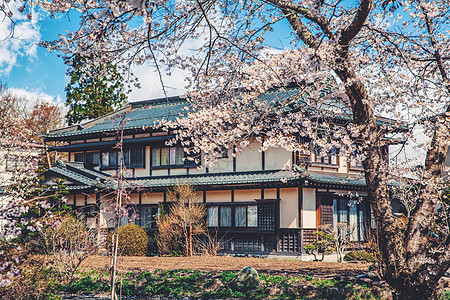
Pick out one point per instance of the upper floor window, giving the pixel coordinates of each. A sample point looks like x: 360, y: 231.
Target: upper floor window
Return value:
x: 171, y: 156
x: 322, y: 157
x: 355, y: 160
x: 90, y: 158
x: 110, y: 159
x: 167, y: 156
x: 133, y: 158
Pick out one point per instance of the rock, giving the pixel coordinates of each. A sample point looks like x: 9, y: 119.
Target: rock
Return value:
x: 364, y: 279
x: 372, y: 272
x: 216, y: 286
x: 247, y: 279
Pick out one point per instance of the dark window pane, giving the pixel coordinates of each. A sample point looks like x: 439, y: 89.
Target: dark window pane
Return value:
x: 147, y: 217
x: 136, y: 157
x: 93, y: 158
x: 156, y: 158
x: 105, y: 159
x: 266, y: 216
x: 252, y: 216
x: 213, y: 216
x: 79, y: 157
x: 164, y: 156
x: 225, y: 216
x: 240, y: 216
x: 113, y: 159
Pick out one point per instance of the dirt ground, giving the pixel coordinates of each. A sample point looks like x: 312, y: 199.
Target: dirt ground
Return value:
x: 222, y: 263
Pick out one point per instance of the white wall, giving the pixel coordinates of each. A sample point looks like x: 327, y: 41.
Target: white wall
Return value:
x: 309, y: 208
x: 289, y: 208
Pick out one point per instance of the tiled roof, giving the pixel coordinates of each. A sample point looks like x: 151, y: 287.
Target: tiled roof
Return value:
x: 215, y: 179
x: 140, y: 116
x: 85, y: 177
x: 145, y: 114
x: 91, y: 178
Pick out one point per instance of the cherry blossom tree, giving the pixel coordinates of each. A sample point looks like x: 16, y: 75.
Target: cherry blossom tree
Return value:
x: 359, y: 60
x: 21, y: 203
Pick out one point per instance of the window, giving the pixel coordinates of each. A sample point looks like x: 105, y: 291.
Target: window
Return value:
x: 170, y: 156
x: 355, y: 160
x: 225, y: 216
x: 147, y: 216
x: 79, y: 157
x: 240, y: 216
x: 321, y: 157
x: 93, y: 158
x: 212, y: 216
x: 351, y: 215
x: 266, y: 216
x: 132, y: 158
x: 167, y: 156
x: 113, y: 159
x: 244, y: 216
x: 252, y: 216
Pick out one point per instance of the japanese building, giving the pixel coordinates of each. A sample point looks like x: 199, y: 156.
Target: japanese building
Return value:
x: 254, y: 200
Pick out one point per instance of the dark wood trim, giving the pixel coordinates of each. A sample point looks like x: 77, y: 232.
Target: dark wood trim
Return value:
x: 318, y: 209
x: 165, y: 196
x: 277, y: 213
x: 234, y: 164
x: 97, y: 208
x: 263, y: 160
x: 240, y: 203
x: 151, y: 160
x: 300, y: 207
x: 204, y: 196
x: 262, y: 193
x: 140, y: 198
x: 232, y: 195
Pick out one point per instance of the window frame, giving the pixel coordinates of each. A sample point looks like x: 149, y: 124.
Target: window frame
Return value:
x: 233, y: 210
x: 172, y: 158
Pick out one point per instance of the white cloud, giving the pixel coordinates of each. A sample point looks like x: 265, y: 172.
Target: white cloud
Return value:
x: 30, y: 98
x: 24, y: 41
x: 151, y: 83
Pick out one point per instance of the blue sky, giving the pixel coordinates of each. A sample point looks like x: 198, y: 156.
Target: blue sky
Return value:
x: 31, y: 71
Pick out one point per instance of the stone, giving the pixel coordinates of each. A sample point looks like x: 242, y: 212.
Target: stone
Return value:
x: 372, y: 272
x: 216, y: 286
x: 247, y: 279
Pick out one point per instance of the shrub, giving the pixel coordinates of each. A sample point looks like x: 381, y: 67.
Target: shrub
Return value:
x: 324, y: 245
x: 133, y: 240
x: 67, y: 243
x: 359, y: 256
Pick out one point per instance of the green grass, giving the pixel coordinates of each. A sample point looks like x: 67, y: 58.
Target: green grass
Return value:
x: 197, y: 284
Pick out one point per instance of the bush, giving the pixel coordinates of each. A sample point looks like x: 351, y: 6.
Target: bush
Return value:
x: 359, y: 256
x: 133, y: 240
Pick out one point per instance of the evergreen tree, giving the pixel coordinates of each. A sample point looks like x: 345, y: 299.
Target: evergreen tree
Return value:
x: 92, y: 94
